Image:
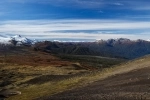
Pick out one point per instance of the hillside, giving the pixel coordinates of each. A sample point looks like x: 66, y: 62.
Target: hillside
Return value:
x: 129, y: 81
x: 51, y: 80
x: 27, y: 70
x: 116, y: 48
x: 60, y: 69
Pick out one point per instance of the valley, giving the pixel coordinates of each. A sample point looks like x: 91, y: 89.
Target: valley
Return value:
x: 75, y: 71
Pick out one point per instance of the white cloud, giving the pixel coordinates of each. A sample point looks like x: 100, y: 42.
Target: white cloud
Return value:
x: 46, y: 28
x: 137, y: 4
x: 118, y: 4
x: 44, y: 25
x: 85, y: 36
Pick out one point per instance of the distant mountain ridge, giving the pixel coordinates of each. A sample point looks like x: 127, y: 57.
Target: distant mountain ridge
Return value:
x: 121, y: 40
x: 122, y: 48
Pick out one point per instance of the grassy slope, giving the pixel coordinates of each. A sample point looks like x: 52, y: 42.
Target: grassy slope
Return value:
x: 132, y: 85
x: 38, y: 74
x: 92, y: 62
x: 33, y: 91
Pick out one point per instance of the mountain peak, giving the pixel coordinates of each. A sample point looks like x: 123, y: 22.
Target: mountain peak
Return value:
x: 17, y: 36
x: 17, y: 39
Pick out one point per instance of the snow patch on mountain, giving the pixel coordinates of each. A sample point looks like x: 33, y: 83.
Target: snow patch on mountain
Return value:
x: 120, y: 40
x: 4, y: 39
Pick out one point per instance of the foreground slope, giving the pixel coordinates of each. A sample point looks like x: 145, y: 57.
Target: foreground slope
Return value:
x: 36, y: 74
x: 129, y: 81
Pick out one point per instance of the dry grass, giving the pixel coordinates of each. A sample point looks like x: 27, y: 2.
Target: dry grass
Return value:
x: 49, y: 88
x: 22, y: 75
x: 25, y: 72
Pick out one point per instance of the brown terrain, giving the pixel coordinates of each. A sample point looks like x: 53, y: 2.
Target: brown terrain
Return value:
x: 26, y: 56
x: 23, y: 67
x: 44, y: 76
x: 133, y: 85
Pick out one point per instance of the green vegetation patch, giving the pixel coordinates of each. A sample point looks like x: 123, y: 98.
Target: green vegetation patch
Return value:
x: 92, y: 62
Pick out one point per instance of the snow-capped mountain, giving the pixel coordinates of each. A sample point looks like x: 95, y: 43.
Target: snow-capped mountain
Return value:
x: 120, y: 41
x: 16, y: 40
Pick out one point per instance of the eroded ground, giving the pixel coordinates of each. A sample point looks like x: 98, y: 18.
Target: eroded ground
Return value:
x: 134, y: 85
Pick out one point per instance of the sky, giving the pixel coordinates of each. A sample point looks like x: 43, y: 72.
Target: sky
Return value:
x: 76, y: 20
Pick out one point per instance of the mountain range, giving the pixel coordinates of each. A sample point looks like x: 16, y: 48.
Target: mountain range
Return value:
x: 118, y: 48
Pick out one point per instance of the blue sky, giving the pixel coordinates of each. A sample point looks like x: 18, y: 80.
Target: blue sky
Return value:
x: 76, y: 20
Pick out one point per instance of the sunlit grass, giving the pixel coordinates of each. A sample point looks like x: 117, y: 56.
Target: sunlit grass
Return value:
x: 49, y: 88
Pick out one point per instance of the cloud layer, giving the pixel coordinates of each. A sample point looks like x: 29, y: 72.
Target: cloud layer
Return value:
x: 77, y: 29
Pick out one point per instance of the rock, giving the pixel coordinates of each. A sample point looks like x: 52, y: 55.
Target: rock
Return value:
x: 5, y: 93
